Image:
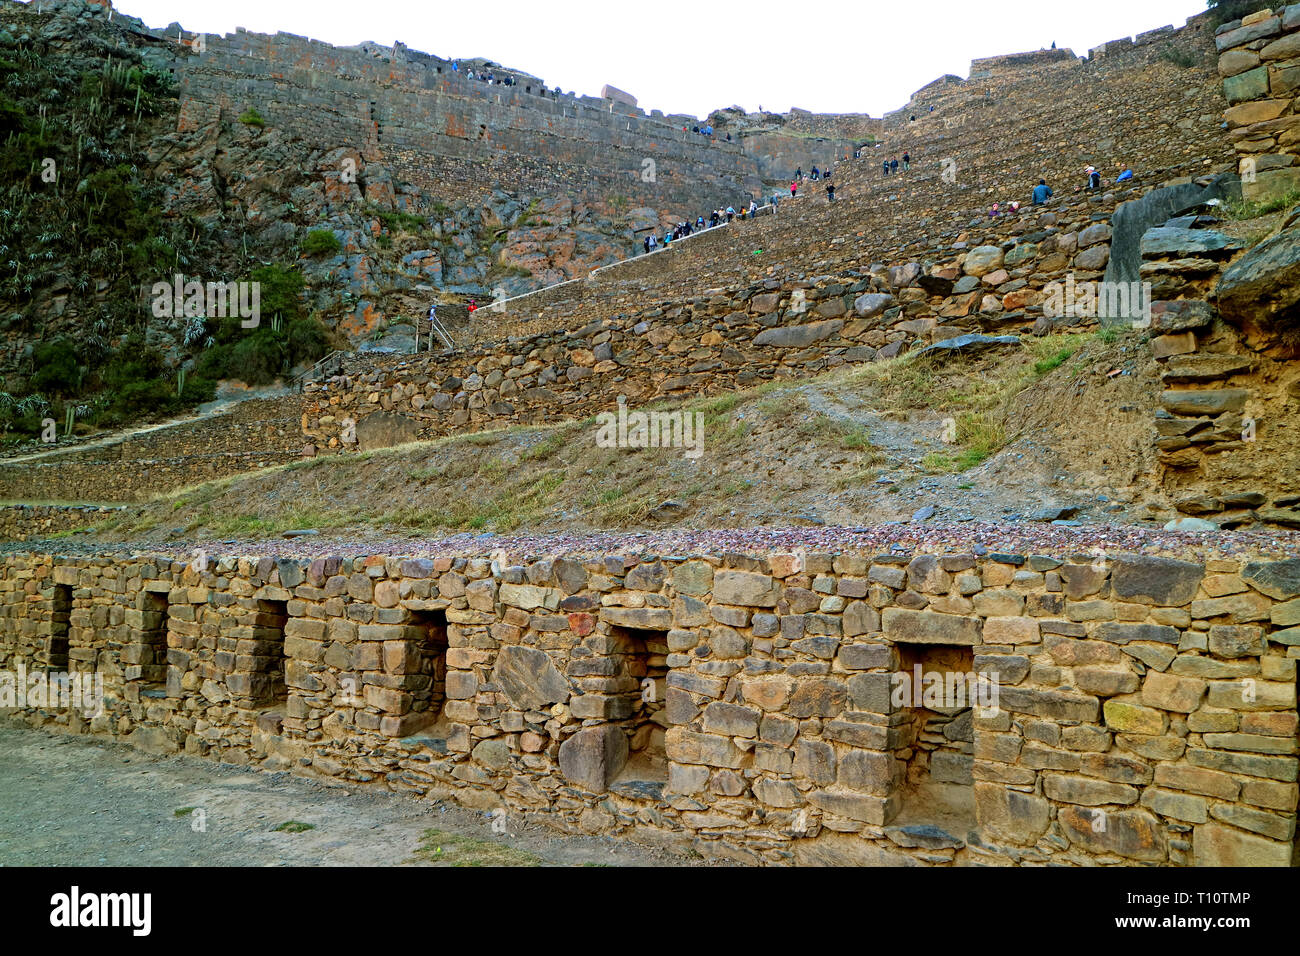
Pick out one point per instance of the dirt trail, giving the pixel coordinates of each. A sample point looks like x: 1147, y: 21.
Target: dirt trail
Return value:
x: 78, y: 801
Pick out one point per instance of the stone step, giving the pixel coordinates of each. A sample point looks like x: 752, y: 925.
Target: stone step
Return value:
x: 1204, y: 367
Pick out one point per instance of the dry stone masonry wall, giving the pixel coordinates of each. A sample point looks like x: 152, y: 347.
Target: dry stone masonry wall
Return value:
x: 1259, y: 60
x: 743, y: 703
x: 455, y: 137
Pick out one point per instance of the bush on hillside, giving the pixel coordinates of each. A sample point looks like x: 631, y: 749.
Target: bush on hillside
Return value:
x: 1222, y: 11
x: 321, y: 242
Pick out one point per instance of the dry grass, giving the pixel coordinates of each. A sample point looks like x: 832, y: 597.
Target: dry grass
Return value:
x: 538, y: 477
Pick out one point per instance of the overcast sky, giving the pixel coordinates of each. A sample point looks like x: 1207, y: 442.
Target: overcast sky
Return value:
x: 842, y: 56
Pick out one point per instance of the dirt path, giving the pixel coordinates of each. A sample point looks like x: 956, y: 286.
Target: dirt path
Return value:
x: 78, y: 801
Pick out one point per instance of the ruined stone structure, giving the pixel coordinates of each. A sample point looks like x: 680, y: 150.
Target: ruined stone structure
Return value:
x: 453, y: 136
x: 747, y: 703
x: 1259, y: 59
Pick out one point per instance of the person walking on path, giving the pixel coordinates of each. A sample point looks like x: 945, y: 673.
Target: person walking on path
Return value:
x: 884, y: 164
x: 830, y: 192
x: 794, y: 188
x: 1042, y: 192
x: 893, y: 167
x: 907, y: 162
x: 775, y: 200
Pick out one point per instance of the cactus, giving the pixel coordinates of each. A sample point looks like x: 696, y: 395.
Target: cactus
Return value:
x: 180, y: 382
x: 69, y: 416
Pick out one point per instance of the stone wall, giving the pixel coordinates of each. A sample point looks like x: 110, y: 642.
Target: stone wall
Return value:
x: 743, y: 703
x: 454, y: 137
x: 254, y: 434
x: 717, y: 340
x: 40, y: 522
x: 1259, y: 60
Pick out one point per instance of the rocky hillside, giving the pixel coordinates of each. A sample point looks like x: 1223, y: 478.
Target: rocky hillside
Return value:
x: 112, y: 187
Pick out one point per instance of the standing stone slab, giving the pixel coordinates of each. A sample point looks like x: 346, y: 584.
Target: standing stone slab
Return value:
x: 591, y: 758
x: 1135, y: 834
x: 529, y: 678
x: 1010, y: 816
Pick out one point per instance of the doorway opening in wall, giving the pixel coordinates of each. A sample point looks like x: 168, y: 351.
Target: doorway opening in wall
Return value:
x: 428, y: 662
x: 269, y: 686
x: 152, y: 651
x: 934, y: 691
x: 641, y: 667
x: 54, y: 655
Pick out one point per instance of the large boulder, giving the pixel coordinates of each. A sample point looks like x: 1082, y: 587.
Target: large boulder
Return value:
x: 1260, y: 294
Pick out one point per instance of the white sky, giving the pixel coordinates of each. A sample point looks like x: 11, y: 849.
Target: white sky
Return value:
x: 837, y: 56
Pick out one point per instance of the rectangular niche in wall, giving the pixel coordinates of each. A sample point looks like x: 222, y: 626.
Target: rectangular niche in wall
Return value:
x: 54, y: 649
x: 261, y: 660
x: 146, y: 657
x: 641, y: 667
x: 427, y: 661
x: 937, y: 740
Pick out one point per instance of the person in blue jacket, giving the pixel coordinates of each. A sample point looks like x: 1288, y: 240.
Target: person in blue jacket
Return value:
x: 1042, y: 192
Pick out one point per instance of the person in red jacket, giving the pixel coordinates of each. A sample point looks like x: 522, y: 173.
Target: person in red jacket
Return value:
x: 473, y: 306
x: 794, y: 188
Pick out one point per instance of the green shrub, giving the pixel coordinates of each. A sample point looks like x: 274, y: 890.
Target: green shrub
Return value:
x: 1223, y: 11
x: 251, y: 117
x: 1179, y: 57
x: 56, y: 369
x: 321, y: 242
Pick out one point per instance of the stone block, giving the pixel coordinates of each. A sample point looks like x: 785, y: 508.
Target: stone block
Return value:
x: 591, y: 758
x: 1216, y: 845
x: 927, y: 627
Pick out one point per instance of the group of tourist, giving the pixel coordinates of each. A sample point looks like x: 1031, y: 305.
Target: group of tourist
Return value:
x: 1043, y: 192
x: 890, y: 166
x: 486, y: 76
x: 718, y: 217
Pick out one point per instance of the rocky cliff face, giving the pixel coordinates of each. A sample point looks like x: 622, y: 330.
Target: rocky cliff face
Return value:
x: 227, y: 186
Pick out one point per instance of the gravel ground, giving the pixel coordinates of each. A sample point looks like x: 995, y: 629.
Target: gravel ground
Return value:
x: 82, y: 801
x: 980, y: 537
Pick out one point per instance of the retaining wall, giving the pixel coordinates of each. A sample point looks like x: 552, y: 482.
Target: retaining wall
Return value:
x: 742, y: 703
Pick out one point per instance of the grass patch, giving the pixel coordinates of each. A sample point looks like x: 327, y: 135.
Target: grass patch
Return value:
x: 183, y: 811
x: 293, y: 826
x: 450, y: 849
x: 1243, y: 209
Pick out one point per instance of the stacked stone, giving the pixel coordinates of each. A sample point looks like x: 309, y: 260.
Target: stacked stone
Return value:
x: 139, y: 466
x: 1146, y: 708
x: 1259, y: 60
x: 24, y: 522
x: 723, y: 339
